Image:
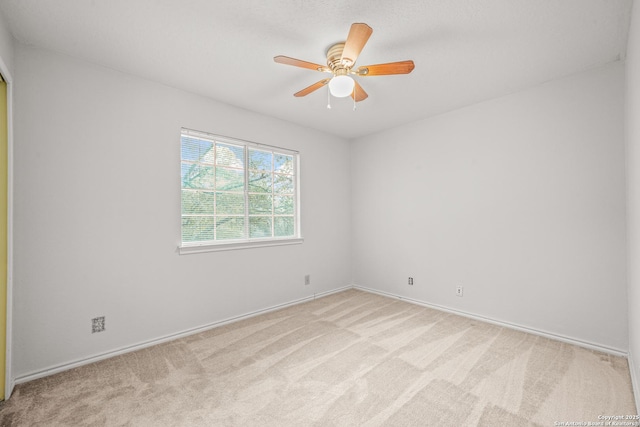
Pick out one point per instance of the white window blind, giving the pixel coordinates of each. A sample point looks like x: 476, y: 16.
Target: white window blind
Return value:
x: 236, y: 191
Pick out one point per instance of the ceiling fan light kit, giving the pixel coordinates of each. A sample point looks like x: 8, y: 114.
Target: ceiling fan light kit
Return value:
x: 341, y: 58
x: 341, y: 86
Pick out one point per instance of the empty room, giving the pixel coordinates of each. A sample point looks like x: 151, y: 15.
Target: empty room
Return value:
x: 291, y: 213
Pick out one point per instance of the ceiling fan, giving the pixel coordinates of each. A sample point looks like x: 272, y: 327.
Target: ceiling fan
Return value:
x: 341, y: 59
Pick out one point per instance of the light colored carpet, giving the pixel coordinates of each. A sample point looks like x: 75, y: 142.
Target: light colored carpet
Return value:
x: 348, y: 359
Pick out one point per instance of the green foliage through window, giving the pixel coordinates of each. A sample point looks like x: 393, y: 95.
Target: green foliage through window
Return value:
x: 236, y: 191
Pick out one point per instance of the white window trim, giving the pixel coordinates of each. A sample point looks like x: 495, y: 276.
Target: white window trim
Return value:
x: 198, y: 248
x: 212, y: 246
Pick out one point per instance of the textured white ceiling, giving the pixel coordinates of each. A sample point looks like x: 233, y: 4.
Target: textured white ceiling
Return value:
x: 465, y: 51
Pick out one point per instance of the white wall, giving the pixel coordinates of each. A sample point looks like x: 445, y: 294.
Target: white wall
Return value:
x: 633, y: 194
x: 6, y: 45
x: 521, y: 200
x: 97, y: 214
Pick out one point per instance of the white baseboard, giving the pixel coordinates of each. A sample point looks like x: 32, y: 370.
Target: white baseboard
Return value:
x: 634, y: 381
x: 96, y: 358
x: 557, y: 337
x: 128, y: 349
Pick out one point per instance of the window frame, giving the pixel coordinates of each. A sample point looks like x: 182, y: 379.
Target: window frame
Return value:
x: 247, y: 242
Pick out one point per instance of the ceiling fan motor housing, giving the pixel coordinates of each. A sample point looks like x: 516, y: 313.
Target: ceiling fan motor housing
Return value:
x: 335, y: 62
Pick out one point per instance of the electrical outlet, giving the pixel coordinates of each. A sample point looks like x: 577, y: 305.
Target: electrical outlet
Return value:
x: 459, y: 290
x: 411, y: 281
x: 307, y: 280
x: 97, y: 324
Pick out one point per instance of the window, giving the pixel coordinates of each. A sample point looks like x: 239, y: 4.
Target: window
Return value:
x: 237, y: 193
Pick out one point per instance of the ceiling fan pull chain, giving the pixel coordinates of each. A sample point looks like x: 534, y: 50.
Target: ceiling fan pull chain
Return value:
x: 354, y: 100
x: 328, y: 98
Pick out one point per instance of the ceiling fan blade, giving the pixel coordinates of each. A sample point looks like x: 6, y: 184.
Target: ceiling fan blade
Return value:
x: 358, y: 93
x: 308, y: 90
x: 299, y: 63
x: 402, y: 67
x: 357, y: 38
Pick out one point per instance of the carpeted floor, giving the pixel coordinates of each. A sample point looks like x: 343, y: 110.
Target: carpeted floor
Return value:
x: 348, y: 359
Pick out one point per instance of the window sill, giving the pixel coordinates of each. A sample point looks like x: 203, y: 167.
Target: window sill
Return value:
x: 216, y: 247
